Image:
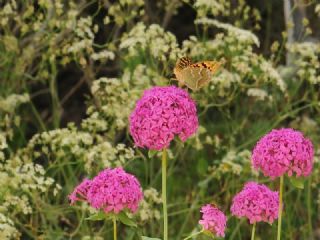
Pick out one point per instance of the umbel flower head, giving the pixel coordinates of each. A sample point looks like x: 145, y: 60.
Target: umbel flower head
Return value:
x: 213, y: 220
x: 283, y: 151
x: 160, y: 114
x: 257, y: 203
x: 112, y: 191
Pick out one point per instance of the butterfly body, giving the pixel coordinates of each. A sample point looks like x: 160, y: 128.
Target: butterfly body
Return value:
x: 195, y: 75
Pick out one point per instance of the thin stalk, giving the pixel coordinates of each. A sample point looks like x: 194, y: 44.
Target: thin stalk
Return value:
x: 164, y: 194
x: 56, y: 111
x: 193, y: 235
x: 280, y: 209
x: 38, y: 117
x: 309, y: 209
x: 114, y: 228
x: 236, y: 229
x: 253, y: 231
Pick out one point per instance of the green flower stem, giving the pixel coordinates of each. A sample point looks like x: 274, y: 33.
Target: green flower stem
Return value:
x: 114, y: 220
x: 193, y: 235
x: 253, y: 231
x: 164, y: 194
x: 280, y: 209
x: 309, y: 209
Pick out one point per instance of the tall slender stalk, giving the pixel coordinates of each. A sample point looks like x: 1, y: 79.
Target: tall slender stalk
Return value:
x: 164, y: 194
x: 253, y: 231
x: 309, y: 210
x: 114, y: 228
x: 280, y: 209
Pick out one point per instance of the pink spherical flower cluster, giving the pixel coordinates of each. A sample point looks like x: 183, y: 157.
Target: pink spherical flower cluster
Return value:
x: 112, y: 190
x: 257, y: 203
x: 213, y: 220
x: 160, y: 114
x: 283, y: 151
x: 80, y: 191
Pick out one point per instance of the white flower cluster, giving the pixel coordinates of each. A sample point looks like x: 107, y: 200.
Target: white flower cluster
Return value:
x: 83, y: 42
x: 124, y: 11
x: 103, y: 55
x: 58, y: 29
x: 3, y: 142
x: 21, y: 180
x: 148, y: 207
x: 12, y: 102
x: 306, y: 60
x: 152, y: 40
x: 241, y: 13
x: 233, y: 162
x: 214, y: 7
x: 240, y: 34
x: 104, y: 155
x: 222, y: 82
x: 8, y: 117
x: 317, y: 9
x: 271, y: 74
x: 7, y: 12
x: 61, y: 143
x: 259, y: 94
x: 116, y: 103
x: 7, y: 229
x: 19, y: 174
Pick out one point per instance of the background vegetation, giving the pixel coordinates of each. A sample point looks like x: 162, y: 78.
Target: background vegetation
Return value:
x: 71, y: 72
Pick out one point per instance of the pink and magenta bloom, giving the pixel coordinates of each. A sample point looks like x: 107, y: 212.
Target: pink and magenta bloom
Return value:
x: 213, y: 220
x: 80, y: 192
x: 283, y: 151
x: 257, y: 203
x: 160, y: 115
x: 112, y: 190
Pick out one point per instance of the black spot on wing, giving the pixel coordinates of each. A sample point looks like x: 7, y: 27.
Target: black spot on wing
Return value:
x: 183, y: 62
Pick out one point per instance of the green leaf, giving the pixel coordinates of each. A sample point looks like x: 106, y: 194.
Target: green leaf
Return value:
x: 297, y: 182
x: 202, y: 166
x: 123, y: 217
x: 149, y: 238
x: 97, y: 216
x: 152, y: 153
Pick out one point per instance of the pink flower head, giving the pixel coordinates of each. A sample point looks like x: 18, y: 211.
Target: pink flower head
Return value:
x: 160, y: 114
x: 257, y: 203
x: 283, y: 151
x: 213, y: 220
x: 80, y: 191
x: 112, y: 190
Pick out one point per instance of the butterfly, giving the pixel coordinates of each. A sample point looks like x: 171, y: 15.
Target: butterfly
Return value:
x: 195, y: 75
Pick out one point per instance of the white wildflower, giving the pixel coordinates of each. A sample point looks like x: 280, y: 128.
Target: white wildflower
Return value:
x: 259, y: 94
x: 273, y: 75
x: 7, y: 229
x: 317, y: 9
x: 153, y: 39
x: 148, y: 206
x: 241, y: 34
x: 105, y: 54
x: 104, y: 155
x: 10, y: 103
x: 3, y: 141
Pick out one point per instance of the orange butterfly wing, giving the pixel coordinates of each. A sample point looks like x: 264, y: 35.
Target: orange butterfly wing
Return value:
x: 195, y: 75
x: 211, y: 66
x: 181, y: 64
